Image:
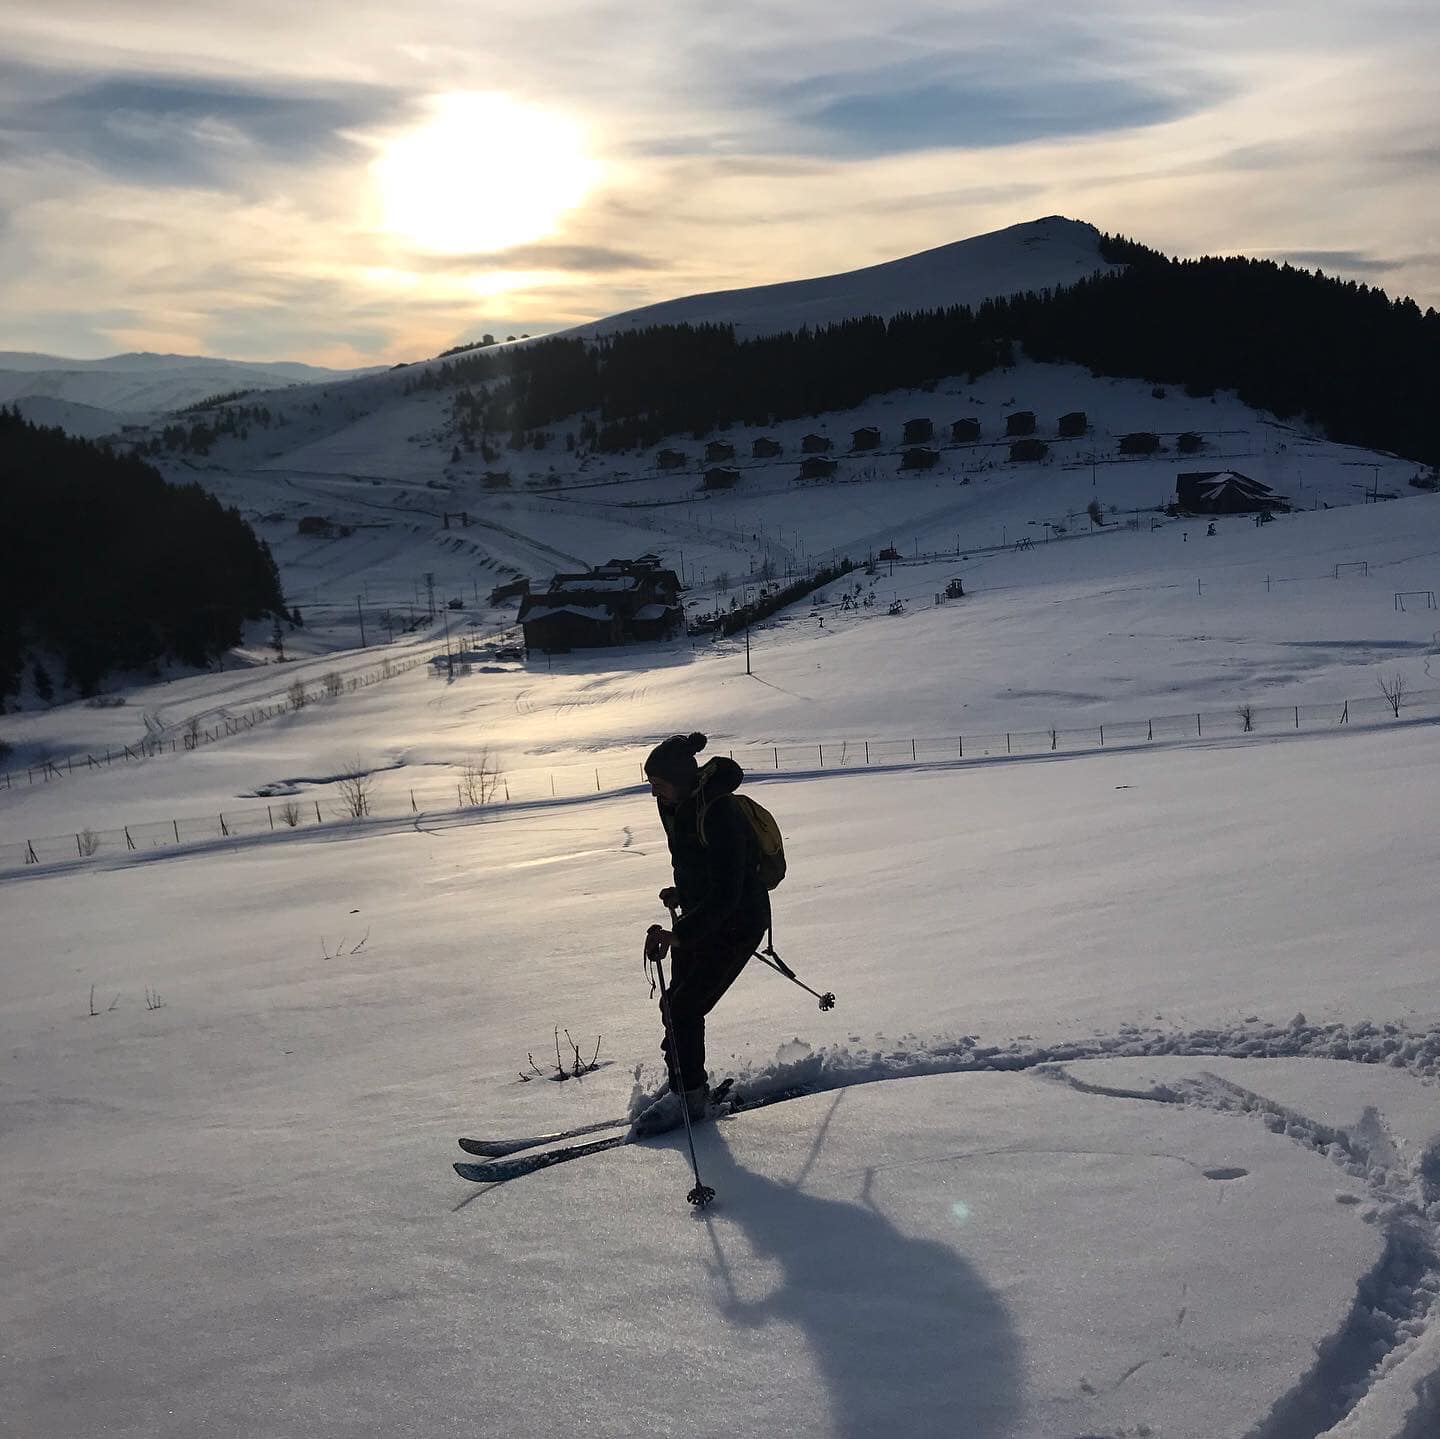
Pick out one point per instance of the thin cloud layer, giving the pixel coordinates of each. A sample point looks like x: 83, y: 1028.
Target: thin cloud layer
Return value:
x: 206, y: 179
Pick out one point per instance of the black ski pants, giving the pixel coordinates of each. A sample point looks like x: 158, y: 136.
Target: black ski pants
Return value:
x: 699, y: 975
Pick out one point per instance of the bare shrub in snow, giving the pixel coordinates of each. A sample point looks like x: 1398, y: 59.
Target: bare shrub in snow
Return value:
x: 1392, y: 686
x: 479, y: 780
x: 290, y: 813
x: 355, y: 791
x: 334, y: 684
x: 1247, y: 717
x: 298, y: 695
x: 575, y: 1066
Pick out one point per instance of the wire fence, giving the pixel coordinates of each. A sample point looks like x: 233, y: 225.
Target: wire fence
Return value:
x: 479, y: 785
x: 215, y: 725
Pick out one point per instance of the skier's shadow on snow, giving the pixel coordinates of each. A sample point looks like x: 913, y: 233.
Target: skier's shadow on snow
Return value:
x: 905, y: 1333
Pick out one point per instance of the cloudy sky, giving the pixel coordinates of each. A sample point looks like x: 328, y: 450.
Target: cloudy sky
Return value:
x: 353, y: 181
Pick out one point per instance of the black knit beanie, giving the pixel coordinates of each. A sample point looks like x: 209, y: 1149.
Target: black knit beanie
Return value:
x: 673, y: 759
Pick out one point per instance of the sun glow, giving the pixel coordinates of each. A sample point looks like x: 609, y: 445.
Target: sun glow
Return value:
x: 484, y: 173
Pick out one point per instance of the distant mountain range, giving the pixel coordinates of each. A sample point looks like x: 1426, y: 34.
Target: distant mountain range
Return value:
x: 94, y: 397
x: 91, y: 398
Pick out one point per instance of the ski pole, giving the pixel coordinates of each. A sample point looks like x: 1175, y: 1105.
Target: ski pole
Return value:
x: 702, y: 1194
x: 827, y: 1000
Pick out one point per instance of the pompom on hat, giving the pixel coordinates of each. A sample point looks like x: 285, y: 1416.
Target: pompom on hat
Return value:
x: 673, y: 759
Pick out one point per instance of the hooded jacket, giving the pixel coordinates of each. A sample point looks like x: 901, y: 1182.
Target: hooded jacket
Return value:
x: 716, y: 860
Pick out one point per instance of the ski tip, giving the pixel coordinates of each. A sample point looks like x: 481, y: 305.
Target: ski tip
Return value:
x: 475, y: 1173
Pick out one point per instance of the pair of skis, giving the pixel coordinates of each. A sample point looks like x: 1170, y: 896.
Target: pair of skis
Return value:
x: 509, y: 1158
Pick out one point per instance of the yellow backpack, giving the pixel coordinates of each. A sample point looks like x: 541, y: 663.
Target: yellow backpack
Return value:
x: 767, y: 838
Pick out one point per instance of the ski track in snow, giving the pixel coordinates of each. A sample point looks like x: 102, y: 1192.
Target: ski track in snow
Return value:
x: 1396, y: 1305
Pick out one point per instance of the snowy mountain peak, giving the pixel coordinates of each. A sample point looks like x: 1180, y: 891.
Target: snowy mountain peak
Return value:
x: 1034, y: 255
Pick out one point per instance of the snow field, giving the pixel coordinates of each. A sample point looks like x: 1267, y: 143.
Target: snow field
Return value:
x: 235, y: 1210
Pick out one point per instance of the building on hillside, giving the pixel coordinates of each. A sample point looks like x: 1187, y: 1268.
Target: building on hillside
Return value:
x: 817, y: 467
x: 720, y: 477
x: 965, y: 430
x: 670, y: 459
x: 765, y: 448
x: 617, y: 603
x: 918, y: 457
x: 917, y: 432
x: 1224, y: 492
x: 516, y: 589
x: 1140, y: 442
x: 1020, y: 422
x: 814, y: 445
x: 867, y: 437
x: 1028, y: 450
x: 718, y: 450
x: 1073, y: 424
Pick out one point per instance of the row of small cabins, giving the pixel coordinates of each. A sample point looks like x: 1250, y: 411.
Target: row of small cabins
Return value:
x: 869, y: 437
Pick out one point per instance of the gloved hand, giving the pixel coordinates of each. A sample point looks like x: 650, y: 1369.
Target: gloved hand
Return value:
x: 657, y: 943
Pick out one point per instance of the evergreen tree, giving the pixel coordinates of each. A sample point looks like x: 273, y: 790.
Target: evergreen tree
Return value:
x: 110, y: 568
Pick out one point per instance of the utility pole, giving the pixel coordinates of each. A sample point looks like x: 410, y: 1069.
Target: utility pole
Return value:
x: 361, y: 613
x: 430, y: 590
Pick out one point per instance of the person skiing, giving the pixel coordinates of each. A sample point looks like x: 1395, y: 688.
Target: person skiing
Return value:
x: 724, y: 911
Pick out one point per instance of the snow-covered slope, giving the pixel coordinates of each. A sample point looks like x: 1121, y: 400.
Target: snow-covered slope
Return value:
x: 1124, y: 1123
x: 1033, y: 256
x: 85, y: 422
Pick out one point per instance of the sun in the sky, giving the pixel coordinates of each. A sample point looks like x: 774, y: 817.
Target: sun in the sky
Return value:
x: 483, y: 173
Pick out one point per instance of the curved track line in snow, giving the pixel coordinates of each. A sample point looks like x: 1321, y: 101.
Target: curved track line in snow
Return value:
x: 1397, y: 1304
